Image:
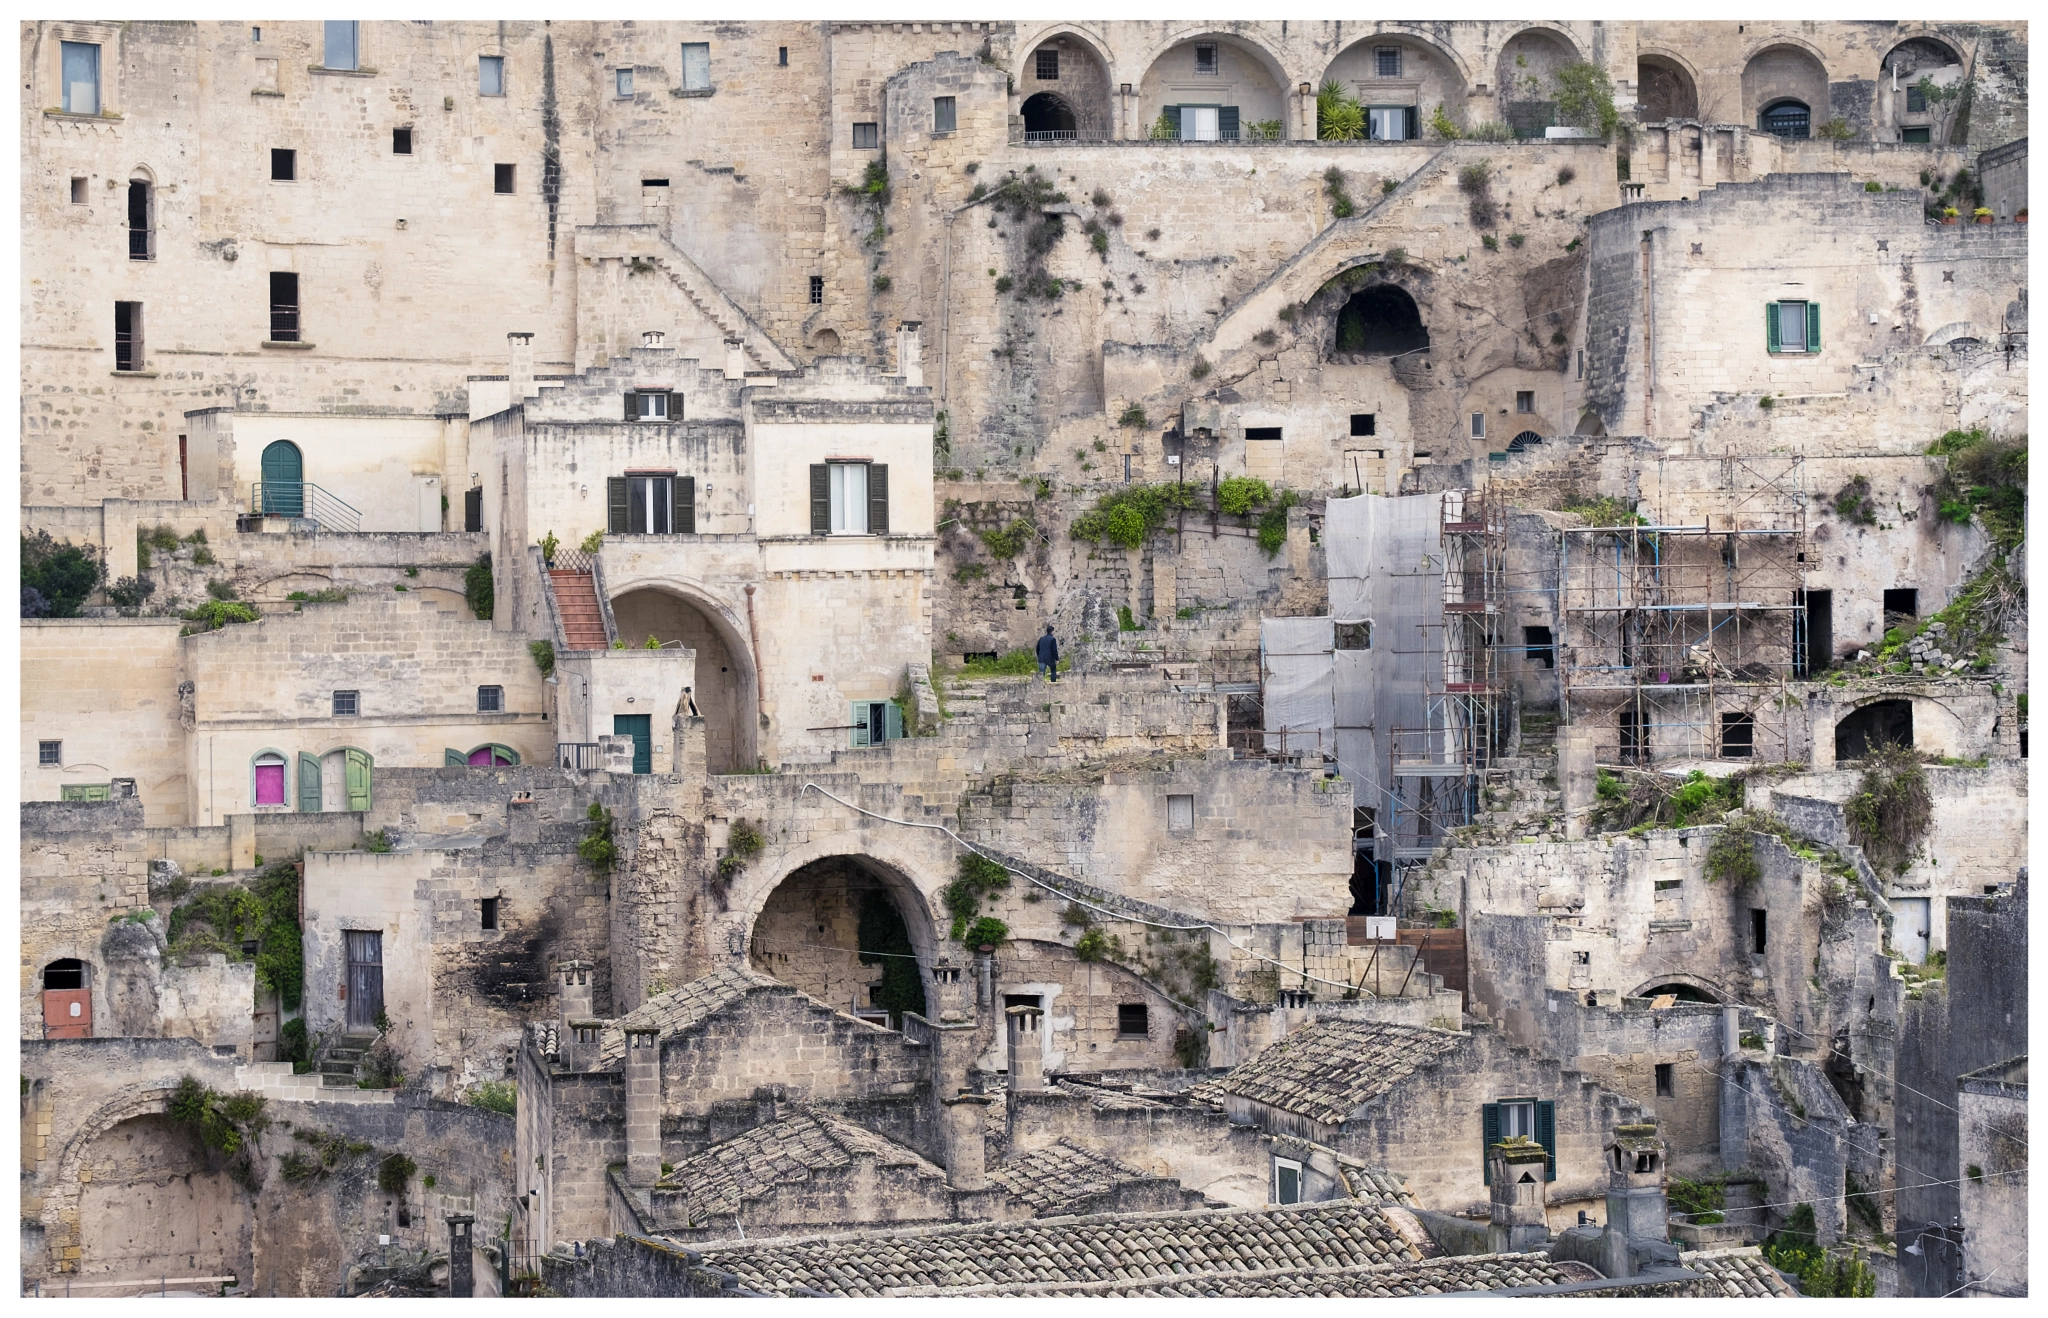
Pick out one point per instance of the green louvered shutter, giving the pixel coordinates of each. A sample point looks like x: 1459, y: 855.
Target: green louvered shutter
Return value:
x: 1226, y: 123
x: 453, y: 759
x: 1813, y: 327
x: 1171, y: 113
x: 632, y: 406
x: 1412, y: 129
x: 878, y: 498
x: 615, y: 502
x: 1770, y: 327
x: 1489, y: 1135
x: 895, y: 717
x: 821, y: 499
x: 1546, y: 1135
x: 358, y: 776
x: 685, y: 521
x: 858, y: 717
x: 309, y: 784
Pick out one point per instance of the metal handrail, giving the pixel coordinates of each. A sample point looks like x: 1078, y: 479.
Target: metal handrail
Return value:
x: 306, y: 500
x: 581, y: 756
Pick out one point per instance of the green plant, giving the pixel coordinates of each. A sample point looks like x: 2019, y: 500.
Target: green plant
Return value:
x: 1852, y: 503
x: 327, y: 595
x: 477, y: 588
x: 293, y: 1045
x: 226, y: 918
x: 1339, y: 116
x: 548, y: 545
x: 377, y: 843
x: 494, y: 1096
x: 1585, y: 98
x: 1701, y: 1201
x: 1266, y: 338
x: 1098, y: 944
x: 1133, y: 417
x: 1516, y: 239
x: 1240, y: 494
x: 1009, y: 542
x: 979, y: 877
x: 1732, y: 856
x: 881, y: 283
x: 1003, y: 284
x: 1441, y: 127
x: 1341, y: 206
x: 1565, y: 174
x: 1265, y: 130
x: 1603, y: 510
x: 597, y: 845
x: 382, y: 1021
x: 1077, y: 916
x: 1873, y: 186
x: 970, y: 572
x: 57, y: 577
x: 1273, y: 523
x: 1889, y: 814
x: 743, y: 842
x: 1488, y: 241
x: 394, y: 1174
x: 1099, y: 240
x: 1834, y: 130
x: 203, y: 557
x: 1129, y: 515
x: 593, y: 542
x: 1985, y: 478
x: 1767, y: 402
x: 986, y: 932
x: 543, y: 653
x: 1125, y: 621
x: 129, y: 592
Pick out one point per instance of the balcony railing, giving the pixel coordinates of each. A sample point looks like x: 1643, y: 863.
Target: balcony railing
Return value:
x: 303, y: 499
x: 581, y: 756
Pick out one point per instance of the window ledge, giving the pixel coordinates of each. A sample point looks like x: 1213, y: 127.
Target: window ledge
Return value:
x: 268, y: 91
x: 135, y: 375
x: 105, y: 116
x: 283, y: 343
x: 341, y: 73
x: 681, y: 93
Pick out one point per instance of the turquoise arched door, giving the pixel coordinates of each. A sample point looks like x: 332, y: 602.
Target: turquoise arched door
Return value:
x: 284, y: 474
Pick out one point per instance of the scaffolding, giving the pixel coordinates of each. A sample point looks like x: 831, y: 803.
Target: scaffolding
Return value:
x: 1678, y: 637
x: 1435, y: 769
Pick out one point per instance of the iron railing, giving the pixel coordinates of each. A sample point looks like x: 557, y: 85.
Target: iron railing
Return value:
x: 284, y: 322
x: 303, y: 499
x: 581, y: 756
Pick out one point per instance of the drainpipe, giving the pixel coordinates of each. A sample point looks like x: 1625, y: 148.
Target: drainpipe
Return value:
x: 760, y: 697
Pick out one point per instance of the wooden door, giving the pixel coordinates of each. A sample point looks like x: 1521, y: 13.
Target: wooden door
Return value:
x: 67, y: 1013
x: 365, y: 978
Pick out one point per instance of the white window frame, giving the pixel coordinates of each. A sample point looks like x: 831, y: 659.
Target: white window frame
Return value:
x: 1479, y: 425
x: 652, y: 405
x: 1785, y: 344
x: 696, y: 75
x: 354, y: 701
x: 1381, y: 128
x: 97, y: 82
x: 490, y: 699
x: 1201, y: 123
x: 624, y: 84
x: 485, y: 66
x: 657, y: 493
x: 1518, y: 1118
x: 1286, y: 1165
x: 841, y: 479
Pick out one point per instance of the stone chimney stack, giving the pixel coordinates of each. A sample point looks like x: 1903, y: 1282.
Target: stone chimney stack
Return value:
x: 1517, y: 1169
x: 1638, y: 1216
x: 910, y: 353
x: 519, y: 368
x: 966, y: 1152
x: 643, y: 1107
x: 651, y: 339
x: 580, y: 1041
x: 461, y: 1262
x: 1027, y: 1060
x: 574, y: 978
x: 735, y: 359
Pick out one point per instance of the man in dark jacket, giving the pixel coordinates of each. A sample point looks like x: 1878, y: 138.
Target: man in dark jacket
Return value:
x: 1049, y: 654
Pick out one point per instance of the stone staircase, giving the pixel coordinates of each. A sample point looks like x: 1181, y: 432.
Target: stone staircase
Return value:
x: 275, y: 1081
x: 344, y: 1061
x: 576, y: 602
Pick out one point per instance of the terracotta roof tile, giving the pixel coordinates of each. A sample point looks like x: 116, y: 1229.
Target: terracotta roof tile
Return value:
x: 752, y: 1164
x: 1329, y: 1068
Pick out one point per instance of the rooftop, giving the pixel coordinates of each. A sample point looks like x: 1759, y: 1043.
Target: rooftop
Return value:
x: 752, y: 1164
x: 1329, y: 1069
x: 1063, y: 1176
x: 679, y: 1009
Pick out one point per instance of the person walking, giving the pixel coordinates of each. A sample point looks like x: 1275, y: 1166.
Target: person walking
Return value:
x: 1049, y: 654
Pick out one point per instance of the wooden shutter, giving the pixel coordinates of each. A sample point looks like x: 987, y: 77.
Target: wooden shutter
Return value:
x: 1489, y: 1125
x: 674, y: 408
x: 878, y: 498
x: 1413, y: 128
x: 858, y: 736
x: 821, y: 499
x: 453, y: 759
x: 1226, y: 123
x: 1171, y: 113
x: 358, y: 775
x: 1770, y: 327
x: 1546, y: 1135
x: 309, y: 784
x: 473, y: 509
x: 632, y: 405
x: 685, y: 519
x: 1813, y: 327
x: 615, y: 496
x: 895, y: 718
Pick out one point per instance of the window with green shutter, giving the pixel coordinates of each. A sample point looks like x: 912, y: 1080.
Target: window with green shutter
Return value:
x: 309, y: 784
x: 821, y: 499
x: 1792, y: 326
x: 875, y: 722
x: 1226, y: 123
x: 356, y: 771
x: 685, y: 516
x: 1171, y: 114
x: 878, y: 498
x: 1519, y: 1118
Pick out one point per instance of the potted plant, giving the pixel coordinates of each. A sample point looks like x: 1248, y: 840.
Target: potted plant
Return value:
x: 2020, y: 218
x: 1948, y: 215
x: 1982, y: 215
x: 548, y: 545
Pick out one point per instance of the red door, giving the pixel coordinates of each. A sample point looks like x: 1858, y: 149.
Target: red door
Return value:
x: 67, y: 1013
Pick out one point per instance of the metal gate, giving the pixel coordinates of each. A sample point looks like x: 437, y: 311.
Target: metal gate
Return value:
x: 365, y: 979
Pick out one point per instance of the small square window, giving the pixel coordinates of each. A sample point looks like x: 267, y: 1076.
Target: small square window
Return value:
x: 1205, y: 59
x: 401, y: 141
x: 78, y: 192
x: 1364, y: 423
x: 1582, y: 958
x: 284, y: 164
x: 347, y: 704
x: 817, y: 290
x: 490, y: 700
x: 696, y: 66
x: 1286, y: 1181
x: 1738, y: 736
x: 1132, y: 1020
x: 1538, y: 644
x: 1667, y: 1083
x: 487, y: 913
x: 1354, y: 635
x: 1180, y: 813
x: 867, y: 137
x: 945, y: 117
x: 625, y: 84
x: 782, y: 56
x: 490, y: 75
x: 1048, y: 65
x: 1901, y: 602
x: 1386, y: 61
x: 502, y: 177
x: 1525, y: 400
x: 50, y: 753
x: 1478, y: 425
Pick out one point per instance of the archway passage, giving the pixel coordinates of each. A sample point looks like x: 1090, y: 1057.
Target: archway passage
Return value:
x: 1048, y: 118
x: 841, y: 930
x: 1381, y: 321
x: 723, y: 687
x: 1788, y: 119
x: 1877, y: 725
x: 1680, y: 991
x: 157, y: 1204
x: 1664, y: 91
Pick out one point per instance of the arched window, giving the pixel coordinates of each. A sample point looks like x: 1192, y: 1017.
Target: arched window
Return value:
x: 141, y: 218
x: 267, y: 772
x: 492, y: 756
x: 1787, y: 119
x: 1527, y: 439
x: 64, y: 973
x: 1048, y: 118
x: 1880, y: 724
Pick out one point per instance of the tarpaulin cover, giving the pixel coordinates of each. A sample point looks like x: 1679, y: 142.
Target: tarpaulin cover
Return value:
x: 1299, y: 687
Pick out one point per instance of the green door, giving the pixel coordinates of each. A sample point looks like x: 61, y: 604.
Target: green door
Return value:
x: 284, y: 474
x: 640, y: 728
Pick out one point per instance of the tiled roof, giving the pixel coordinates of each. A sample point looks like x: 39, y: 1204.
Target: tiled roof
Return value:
x: 1057, y: 1178
x: 1735, y: 1273
x: 751, y: 1165
x: 1328, y: 1069
x: 1440, y: 1276
x: 1129, y: 1249
x: 679, y: 1009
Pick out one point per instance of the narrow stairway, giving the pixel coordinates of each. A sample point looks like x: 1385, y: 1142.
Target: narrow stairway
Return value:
x: 345, y: 1061
x: 576, y: 600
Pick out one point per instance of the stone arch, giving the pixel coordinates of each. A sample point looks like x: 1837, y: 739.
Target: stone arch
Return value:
x: 60, y: 1197
x: 1249, y: 77
x: 1917, y: 52
x: 727, y: 677
x: 1886, y: 721
x: 1049, y: 117
x: 1656, y: 984
x: 825, y: 341
x: 805, y: 927
x: 1431, y: 76
x: 1666, y: 87
x: 1525, y: 76
x: 1083, y: 82
x: 1783, y: 72
x: 1379, y: 320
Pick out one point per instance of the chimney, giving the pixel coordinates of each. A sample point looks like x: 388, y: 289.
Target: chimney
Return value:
x: 735, y: 359
x: 1516, y: 1169
x: 984, y: 976
x: 580, y: 1041
x: 574, y: 977
x: 910, y: 353
x: 650, y: 339
x: 1027, y: 1060
x: 643, y: 1107
x: 1638, y: 1217
x: 461, y: 1263
x: 519, y: 369
x: 966, y: 1131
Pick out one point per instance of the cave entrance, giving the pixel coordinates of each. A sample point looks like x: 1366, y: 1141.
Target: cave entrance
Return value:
x: 846, y: 930
x: 1381, y: 321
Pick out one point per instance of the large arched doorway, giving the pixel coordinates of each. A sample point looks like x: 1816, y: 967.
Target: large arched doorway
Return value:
x: 154, y: 1202
x: 724, y: 686
x: 1065, y: 87
x: 1918, y: 89
x: 851, y: 932
x: 1873, y: 728
x: 1529, y: 65
x: 1785, y: 89
x: 1664, y: 90
x: 1048, y: 118
x: 284, y: 476
x: 1214, y: 88
x: 1380, y: 321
